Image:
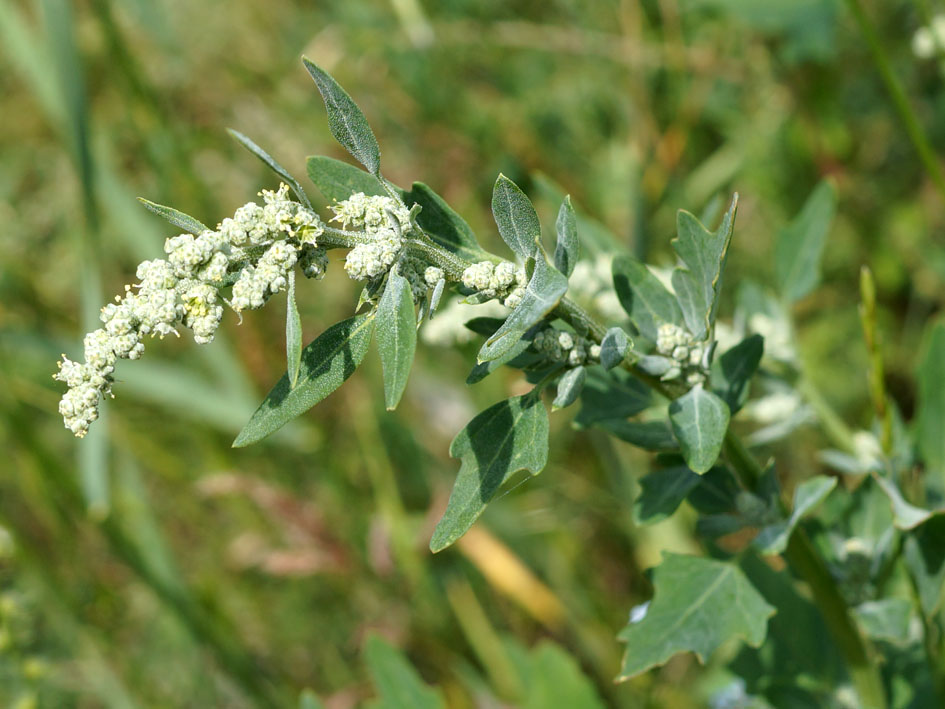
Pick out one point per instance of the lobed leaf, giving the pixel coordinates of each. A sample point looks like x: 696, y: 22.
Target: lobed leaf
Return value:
x: 178, y: 219
x: 661, y: 492
x: 733, y: 370
x: 698, y: 604
x: 697, y: 283
x: 645, y: 299
x: 293, y: 334
x: 800, y: 245
x: 272, y: 164
x: 505, y: 438
x: 516, y: 218
x: 568, y: 246
x: 326, y: 363
x: 337, y: 180
x: 699, y: 419
x: 396, y: 336
x: 345, y: 120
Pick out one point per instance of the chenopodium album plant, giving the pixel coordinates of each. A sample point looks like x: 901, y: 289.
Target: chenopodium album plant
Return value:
x: 873, y: 556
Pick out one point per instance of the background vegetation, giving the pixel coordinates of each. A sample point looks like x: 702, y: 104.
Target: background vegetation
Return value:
x: 151, y: 565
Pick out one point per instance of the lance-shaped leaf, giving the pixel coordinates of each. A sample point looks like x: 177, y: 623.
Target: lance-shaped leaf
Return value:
x: 544, y: 291
x: 569, y: 387
x: 516, y: 218
x: 924, y: 555
x: 699, y: 419
x: 337, y: 180
x: 397, y: 682
x: 698, y: 604
x: 178, y: 219
x: 800, y: 245
x: 327, y: 361
x: 931, y: 401
x: 773, y: 539
x: 732, y: 371
x: 661, y: 492
x: 568, y: 247
x: 293, y: 334
x: 345, y: 120
x: 645, y: 299
x: 698, y: 282
x: 614, y: 347
x: 648, y: 435
x: 443, y: 224
x: 396, y: 336
x: 272, y: 164
x: 505, y: 438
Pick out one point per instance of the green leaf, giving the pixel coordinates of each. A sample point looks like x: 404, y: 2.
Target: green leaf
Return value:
x: 569, y: 387
x: 930, y: 416
x: 905, y: 515
x: 568, y: 248
x: 698, y: 282
x: 555, y: 680
x: 800, y: 244
x: 516, y: 218
x: 732, y: 371
x: 645, y: 299
x: 648, y: 435
x: 545, y: 289
x: 443, y: 224
x: 337, y: 180
x: 272, y: 164
x: 396, y: 681
x: 885, y: 619
x: 396, y: 336
x: 293, y: 334
x: 308, y: 700
x: 661, y: 493
x: 345, y: 120
x: 924, y: 555
x: 611, y: 395
x: 614, y: 347
x: 699, y: 419
x: 327, y: 362
x: 773, y: 539
x: 178, y: 219
x: 505, y: 438
x: 481, y: 370
x: 698, y: 604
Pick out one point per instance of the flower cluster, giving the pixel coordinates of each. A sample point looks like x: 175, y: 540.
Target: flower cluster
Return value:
x: 258, y: 245
x: 676, y: 343
x: 384, y: 221
x: 504, y: 281
x: 562, y: 346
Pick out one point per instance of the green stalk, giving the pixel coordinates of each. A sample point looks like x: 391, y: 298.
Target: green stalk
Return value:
x: 906, y: 113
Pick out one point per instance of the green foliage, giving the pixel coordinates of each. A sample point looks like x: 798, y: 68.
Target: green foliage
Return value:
x: 570, y: 386
x: 397, y: 683
x: 396, y: 336
x: 338, y: 180
x: 614, y: 347
x: 178, y: 219
x: 443, y: 224
x: 645, y: 299
x: 700, y: 421
x: 661, y: 493
x: 568, y: 246
x: 505, y: 438
x: 773, y: 538
x: 800, y: 245
x: 930, y: 419
x: 293, y: 335
x: 733, y: 370
x: 516, y: 218
x: 697, y: 605
x: 271, y: 163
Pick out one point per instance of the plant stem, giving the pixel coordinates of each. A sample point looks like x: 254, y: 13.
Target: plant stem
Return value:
x: 907, y: 114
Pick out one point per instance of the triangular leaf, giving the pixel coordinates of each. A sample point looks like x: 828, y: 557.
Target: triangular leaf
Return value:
x: 800, y: 244
x: 345, y: 120
x: 272, y: 164
x: 698, y: 604
x: 326, y: 363
x: 568, y: 247
x: 178, y: 219
x: 505, y: 438
x: 644, y: 297
x: 661, y: 493
x: 337, y: 180
x: 396, y: 336
x: 516, y: 218
x: 700, y: 420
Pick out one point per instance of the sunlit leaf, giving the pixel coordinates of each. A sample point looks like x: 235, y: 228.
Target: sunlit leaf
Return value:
x: 568, y: 247
x: 396, y: 336
x: 178, y: 219
x: 271, y: 163
x: 700, y: 420
x: 800, y: 245
x: 645, y: 299
x: 516, y: 218
x: 337, y: 180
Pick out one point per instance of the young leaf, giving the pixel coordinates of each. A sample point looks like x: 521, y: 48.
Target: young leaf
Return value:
x: 732, y: 371
x: 648, y: 435
x: 700, y: 420
x: 272, y: 164
x: 436, y: 295
x: 645, y: 299
x: 326, y: 363
x: 614, y: 347
x: 505, y: 438
x: 396, y: 681
x: 698, y: 282
x: 516, y: 218
x: 337, y: 180
x: 345, y: 120
x: 698, y: 604
x: 800, y: 244
x: 931, y: 402
x: 568, y: 248
x: 396, y: 336
x: 569, y: 387
x: 661, y: 493
x: 293, y: 334
x: 773, y: 539
x: 905, y: 515
x: 545, y: 289
x: 443, y: 224
x: 178, y: 219
x: 924, y: 555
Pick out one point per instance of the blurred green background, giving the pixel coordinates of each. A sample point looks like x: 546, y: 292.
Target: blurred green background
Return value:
x: 152, y: 565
